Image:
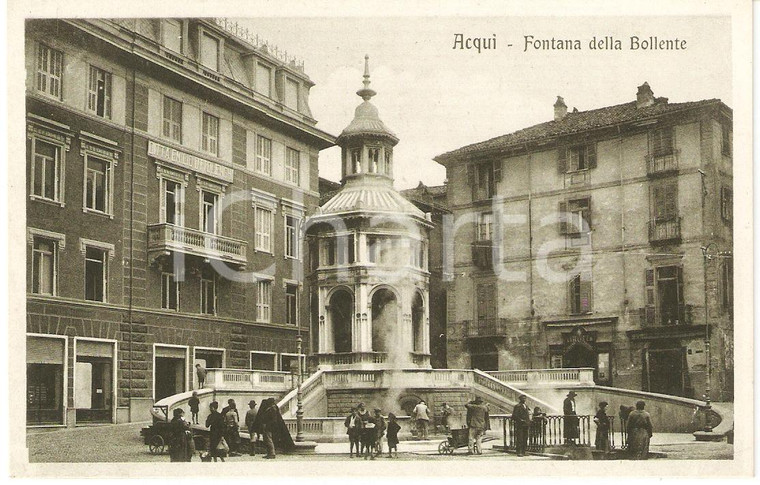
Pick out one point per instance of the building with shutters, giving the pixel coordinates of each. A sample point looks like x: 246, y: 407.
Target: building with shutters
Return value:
x: 601, y: 239
x: 170, y: 166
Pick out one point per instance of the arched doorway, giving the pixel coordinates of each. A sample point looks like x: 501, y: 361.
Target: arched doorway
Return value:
x: 418, y: 314
x: 580, y: 354
x: 341, y: 308
x: 385, y: 336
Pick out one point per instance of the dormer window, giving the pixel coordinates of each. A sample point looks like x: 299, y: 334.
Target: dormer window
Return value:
x: 263, y: 80
x: 172, y: 35
x: 291, y: 94
x: 209, y: 51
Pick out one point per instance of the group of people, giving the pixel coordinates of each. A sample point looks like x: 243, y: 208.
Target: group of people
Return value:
x: 265, y: 424
x: 366, y: 430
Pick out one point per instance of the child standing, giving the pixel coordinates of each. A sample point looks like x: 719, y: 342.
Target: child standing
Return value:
x: 392, y: 431
x: 194, y: 403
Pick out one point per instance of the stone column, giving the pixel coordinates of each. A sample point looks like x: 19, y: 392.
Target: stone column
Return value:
x: 426, y: 323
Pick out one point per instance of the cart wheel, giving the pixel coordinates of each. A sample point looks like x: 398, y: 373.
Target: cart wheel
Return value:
x: 449, y: 449
x: 156, y: 445
x: 442, y: 447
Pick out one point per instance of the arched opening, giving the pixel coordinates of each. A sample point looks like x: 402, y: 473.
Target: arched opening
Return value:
x: 341, y: 308
x: 418, y: 314
x: 384, y: 321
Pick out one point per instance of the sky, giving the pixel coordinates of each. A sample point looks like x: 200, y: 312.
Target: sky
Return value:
x: 437, y: 98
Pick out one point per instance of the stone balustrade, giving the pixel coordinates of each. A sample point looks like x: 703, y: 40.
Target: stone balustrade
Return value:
x: 246, y: 380
x: 527, y: 378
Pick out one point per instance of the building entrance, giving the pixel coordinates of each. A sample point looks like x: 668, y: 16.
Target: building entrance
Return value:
x: 44, y: 380
x: 170, y: 368
x: 665, y: 371
x: 93, y: 381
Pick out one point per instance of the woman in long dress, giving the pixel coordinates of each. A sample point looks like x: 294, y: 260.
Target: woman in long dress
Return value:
x: 602, y: 421
x: 181, y: 446
x: 639, y: 432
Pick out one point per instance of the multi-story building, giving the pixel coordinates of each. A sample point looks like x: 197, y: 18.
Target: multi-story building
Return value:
x: 170, y: 165
x: 602, y: 239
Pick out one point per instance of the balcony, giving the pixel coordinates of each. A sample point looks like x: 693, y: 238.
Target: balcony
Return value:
x: 168, y: 237
x: 487, y: 327
x: 666, y: 316
x: 368, y: 360
x: 665, y: 231
x: 662, y: 164
x: 483, y: 254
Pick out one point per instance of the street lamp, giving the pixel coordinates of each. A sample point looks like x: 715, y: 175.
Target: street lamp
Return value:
x: 706, y: 256
x: 299, y: 403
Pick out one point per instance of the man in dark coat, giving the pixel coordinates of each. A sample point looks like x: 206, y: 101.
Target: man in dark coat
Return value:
x: 521, y: 418
x: 250, y: 418
x: 215, y: 424
x: 570, y: 427
x: 272, y: 427
x: 478, y: 421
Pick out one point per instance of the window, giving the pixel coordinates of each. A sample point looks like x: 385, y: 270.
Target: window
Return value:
x: 725, y: 145
x: 95, y: 273
x: 582, y: 157
x: 727, y: 284
x: 388, y: 162
x: 482, y: 179
x: 44, y: 266
x: 727, y: 204
x: 356, y: 160
x: 263, y: 225
x: 669, y: 295
x: 263, y: 80
x: 264, y: 301
x: 169, y: 292
x: 263, y: 155
x: 208, y: 294
x: 99, y: 92
x: 46, y: 170
x: 291, y: 94
x: 345, y: 249
x: 172, y: 125
x: 374, y: 160
x: 328, y: 252
x: 263, y: 360
x: 417, y: 254
x: 173, y: 35
x: 209, y: 51
x: 293, y: 167
x: 291, y: 237
x: 665, y: 202
x: 580, y: 216
x: 485, y: 226
x: 210, y: 137
x: 486, y: 309
x: 209, y: 212
x: 49, y: 70
x: 173, y: 210
x: 580, y: 294
x: 291, y: 304
x: 661, y: 142
x: 98, y: 181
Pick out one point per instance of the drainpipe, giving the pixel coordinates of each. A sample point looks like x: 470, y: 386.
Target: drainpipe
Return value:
x: 131, y: 228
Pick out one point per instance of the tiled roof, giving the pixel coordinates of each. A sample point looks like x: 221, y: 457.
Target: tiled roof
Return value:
x: 367, y: 122
x: 576, y: 122
x: 370, y: 199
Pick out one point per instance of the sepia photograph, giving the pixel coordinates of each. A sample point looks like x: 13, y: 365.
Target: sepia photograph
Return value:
x: 487, y: 239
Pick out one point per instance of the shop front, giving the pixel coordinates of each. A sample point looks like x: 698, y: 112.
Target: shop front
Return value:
x: 45, y: 379
x: 94, y: 380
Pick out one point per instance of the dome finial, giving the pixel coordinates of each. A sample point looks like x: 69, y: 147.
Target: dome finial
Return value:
x: 366, y: 93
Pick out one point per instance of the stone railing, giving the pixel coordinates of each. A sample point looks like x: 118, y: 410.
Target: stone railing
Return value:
x: 310, y: 386
x: 377, y: 360
x: 168, y: 237
x: 545, y: 377
x: 508, y: 392
x: 246, y: 380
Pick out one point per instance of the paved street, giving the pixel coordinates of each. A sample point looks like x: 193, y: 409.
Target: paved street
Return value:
x: 123, y: 443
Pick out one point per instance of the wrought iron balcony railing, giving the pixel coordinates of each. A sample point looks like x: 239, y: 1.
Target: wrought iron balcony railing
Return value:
x: 483, y: 254
x: 666, y: 316
x: 662, y: 163
x: 487, y: 327
x: 663, y: 231
x: 168, y: 237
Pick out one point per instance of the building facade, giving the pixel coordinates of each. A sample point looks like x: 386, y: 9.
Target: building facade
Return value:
x: 602, y: 239
x: 171, y: 164
x: 368, y: 258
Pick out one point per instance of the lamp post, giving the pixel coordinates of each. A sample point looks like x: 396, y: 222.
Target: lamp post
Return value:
x: 706, y: 256
x: 299, y: 403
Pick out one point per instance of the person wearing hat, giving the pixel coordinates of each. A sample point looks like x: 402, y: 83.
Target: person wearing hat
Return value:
x: 570, y: 426
x: 250, y: 418
x: 521, y: 419
x: 181, y: 445
x: 478, y: 422
x: 602, y: 441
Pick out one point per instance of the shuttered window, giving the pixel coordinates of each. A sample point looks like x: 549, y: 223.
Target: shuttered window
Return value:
x: 661, y: 141
x: 49, y: 70
x: 665, y: 202
x: 576, y: 157
x: 172, y: 120
x: 580, y: 294
x: 727, y: 204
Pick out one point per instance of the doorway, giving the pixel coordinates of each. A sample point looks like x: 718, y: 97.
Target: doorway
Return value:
x: 169, y: 371
x: 341, y: 310
x: 665, y: 371
x: 93, y: 381
x: 208, y: 359
x: 45, y: 388
x: 385, y: 334
x: 580, y: 355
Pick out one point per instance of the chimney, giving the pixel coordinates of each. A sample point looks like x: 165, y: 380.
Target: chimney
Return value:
x: 644, y: 96
x: 560, y: 109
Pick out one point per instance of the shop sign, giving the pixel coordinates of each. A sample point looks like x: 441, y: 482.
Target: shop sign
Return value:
x: 186, y: 160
